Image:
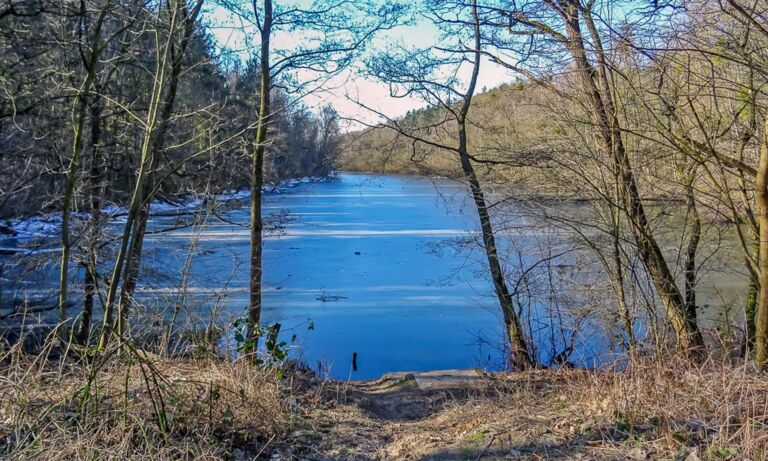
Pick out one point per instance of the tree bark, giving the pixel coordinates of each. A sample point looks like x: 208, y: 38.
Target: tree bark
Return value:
x: 95, y: 191
x: 750, y: 312
x: 694, y: 222
x: 621, y: 296
x: 257, y: 177
x: 521, y: 358
x: 761, y: 198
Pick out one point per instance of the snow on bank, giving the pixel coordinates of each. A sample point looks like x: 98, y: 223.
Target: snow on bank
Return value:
x: 48, y: 226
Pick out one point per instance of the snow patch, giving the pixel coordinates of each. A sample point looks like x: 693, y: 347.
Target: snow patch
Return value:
x: 23, y: 230
x: 34, y: 227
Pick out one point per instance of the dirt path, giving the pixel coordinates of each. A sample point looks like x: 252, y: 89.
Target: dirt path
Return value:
x: 490, y: 417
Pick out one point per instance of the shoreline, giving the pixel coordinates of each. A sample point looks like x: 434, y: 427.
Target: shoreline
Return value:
x: 41, y: 227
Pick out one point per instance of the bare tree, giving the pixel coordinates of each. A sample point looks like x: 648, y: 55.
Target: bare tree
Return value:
x: 557, y: 27
x: 189, y: 16
x: 758, y: 22
x: 132, y: 235
x: 419, y: 72
x: 344, y: 28
x: 90, y: 48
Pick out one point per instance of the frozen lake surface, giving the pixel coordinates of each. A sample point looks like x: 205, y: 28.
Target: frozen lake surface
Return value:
x: 388, y: 267
x: 359, y: 259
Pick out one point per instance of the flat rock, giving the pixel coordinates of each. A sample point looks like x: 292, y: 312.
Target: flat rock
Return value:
x: 423, y: 380
x: 446, y: 379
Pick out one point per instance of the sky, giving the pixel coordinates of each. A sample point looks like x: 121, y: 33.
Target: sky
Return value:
x: 349, y: 91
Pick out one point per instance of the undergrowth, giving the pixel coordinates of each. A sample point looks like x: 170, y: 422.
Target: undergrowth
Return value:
x: 127, y: 403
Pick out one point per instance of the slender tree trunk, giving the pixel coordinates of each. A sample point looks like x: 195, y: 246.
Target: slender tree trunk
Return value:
x: 128, y: 233
x: 133, y: 264
x: 95, y: 191
x: 137, y: 197
x: 693, y: 244
x: 133, y: 261
x: 257, y: 178
x: 761, y: 198
x: 750, y: 306
x: 521, y: 357
x: 69, y: 190
x: 621, y: 297
x: 619, y: 288
x: 750, y: 312
x: 90, y: 63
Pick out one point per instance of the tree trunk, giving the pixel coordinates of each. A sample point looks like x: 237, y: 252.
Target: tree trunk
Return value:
x: 90, y: 63
x: 69, y: 191
x: 621, y: 297
x: 95, y: 191
x: 690, y: 256
x: 133, y: 264
x: 761, y: 198
x: 257, y: 179
x: 609, y: 138
x: 137, y: 197
x: 521, y: 357
x: 750, y: 311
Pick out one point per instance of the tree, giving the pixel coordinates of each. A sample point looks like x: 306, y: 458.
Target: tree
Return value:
x: 90, y: 50
x: 336, y: 31
x: 419, y: 72
x: 557, y: 28
x: 177, y: 52
x: 180, y: 21
x: 758, y: 23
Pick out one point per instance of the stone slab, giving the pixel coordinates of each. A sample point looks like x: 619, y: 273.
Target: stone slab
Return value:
x: 446, y: 379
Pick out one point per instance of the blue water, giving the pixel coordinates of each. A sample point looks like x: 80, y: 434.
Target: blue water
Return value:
x: 388, y: 267
x: 399, y: 304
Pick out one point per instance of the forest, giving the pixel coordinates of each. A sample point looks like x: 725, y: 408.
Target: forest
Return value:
x: 540, y: 231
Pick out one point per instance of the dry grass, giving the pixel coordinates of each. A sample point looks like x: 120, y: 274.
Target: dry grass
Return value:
x: 654, y: 410
x: 719, y: 409
x: 136, y: 406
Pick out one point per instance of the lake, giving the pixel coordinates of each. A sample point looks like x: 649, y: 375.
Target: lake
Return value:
x: 358, y: 259
x: 387, y: 267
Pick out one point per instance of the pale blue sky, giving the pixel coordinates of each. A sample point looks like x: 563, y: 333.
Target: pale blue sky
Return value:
x: 343, y: 90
